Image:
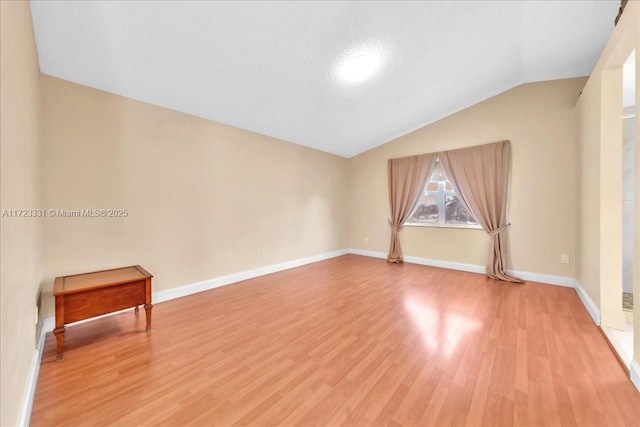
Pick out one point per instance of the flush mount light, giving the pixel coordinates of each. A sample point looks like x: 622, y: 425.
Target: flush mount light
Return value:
x: 359, y: 66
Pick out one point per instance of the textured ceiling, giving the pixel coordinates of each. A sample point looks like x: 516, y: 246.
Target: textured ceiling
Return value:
x: 270, y: 67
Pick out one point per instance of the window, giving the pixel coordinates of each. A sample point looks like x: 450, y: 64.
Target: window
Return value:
x: 439, y: 205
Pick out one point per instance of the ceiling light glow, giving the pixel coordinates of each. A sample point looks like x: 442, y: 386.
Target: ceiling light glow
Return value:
x: 359, y: 66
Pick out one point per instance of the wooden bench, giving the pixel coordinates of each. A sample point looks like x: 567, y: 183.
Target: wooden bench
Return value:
x: 87, y: 295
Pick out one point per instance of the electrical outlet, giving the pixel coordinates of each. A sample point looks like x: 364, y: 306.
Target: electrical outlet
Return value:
x: 264, y: 251
x: 366, y: 240
x: 230, y: 257
x: 564, y: 259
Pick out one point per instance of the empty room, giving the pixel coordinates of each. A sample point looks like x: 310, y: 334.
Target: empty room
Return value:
x: 319, y: 213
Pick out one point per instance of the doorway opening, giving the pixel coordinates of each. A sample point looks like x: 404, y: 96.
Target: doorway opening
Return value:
x: 628, y: 173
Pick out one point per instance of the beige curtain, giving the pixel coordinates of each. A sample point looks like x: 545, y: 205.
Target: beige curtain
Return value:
x: 407, y: 177
x: 480, y: 176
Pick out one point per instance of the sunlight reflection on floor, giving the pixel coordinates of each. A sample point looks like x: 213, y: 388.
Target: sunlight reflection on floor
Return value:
x: 441, y: 331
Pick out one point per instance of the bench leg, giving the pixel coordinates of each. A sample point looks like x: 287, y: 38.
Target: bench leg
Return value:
x: 147, y: 309
x: 59, y: 333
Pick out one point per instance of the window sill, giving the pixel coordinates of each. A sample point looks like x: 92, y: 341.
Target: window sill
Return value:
x: 467, y: 227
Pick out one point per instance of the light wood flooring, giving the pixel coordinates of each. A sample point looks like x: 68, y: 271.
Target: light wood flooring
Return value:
x: 347, y: 341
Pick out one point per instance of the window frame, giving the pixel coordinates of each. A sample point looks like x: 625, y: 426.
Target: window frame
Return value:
x: 441, y: 195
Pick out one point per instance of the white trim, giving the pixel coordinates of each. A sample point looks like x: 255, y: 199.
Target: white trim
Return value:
x: 472, y: 268
x: 372, y: 254
x: 634, y: 374
x: 51, y: 319
x: 24, y: 416
x: 591, y: 307
x: 622, y: 343
x: 30, y: 390
x: 544, y: 278
x: 206, y: 285
x: 48, y: 323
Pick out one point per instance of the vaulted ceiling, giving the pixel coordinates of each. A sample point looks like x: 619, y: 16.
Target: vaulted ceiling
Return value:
x: 272, y: 67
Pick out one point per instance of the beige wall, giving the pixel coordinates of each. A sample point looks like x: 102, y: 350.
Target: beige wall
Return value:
x: 21, y: 238
x: 539, y: 121
x: 588, y: 173
x: 600, y: 184
x: 196, y: 191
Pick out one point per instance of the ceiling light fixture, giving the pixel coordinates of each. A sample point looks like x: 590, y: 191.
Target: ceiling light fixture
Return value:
x: 359, y: 66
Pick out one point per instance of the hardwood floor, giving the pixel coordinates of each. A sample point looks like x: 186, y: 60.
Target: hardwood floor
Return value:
x: 348, y: 341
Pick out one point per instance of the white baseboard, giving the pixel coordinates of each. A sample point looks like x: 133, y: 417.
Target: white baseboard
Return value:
x: 634, y: 374
x: 548, y: 279
x: 193, y: 288
x: 591, y: 307
x: 372, y: 254
x: 451, y: 265
x: 472, y: 268
x: 24, y: 416
x: 423, y: 261
x: 48, y: 323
